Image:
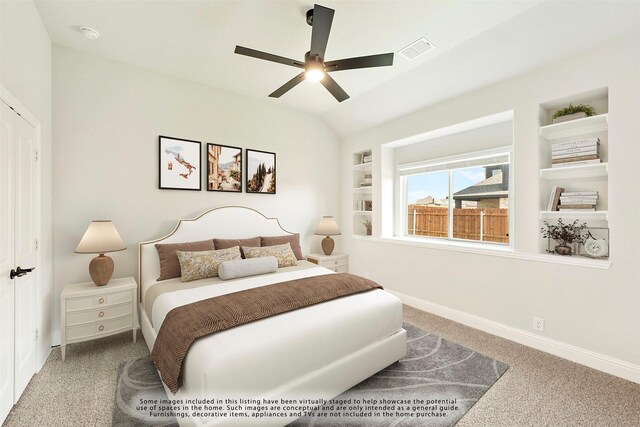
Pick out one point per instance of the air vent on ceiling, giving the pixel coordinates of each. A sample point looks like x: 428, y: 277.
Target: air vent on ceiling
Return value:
x: 416, y: 49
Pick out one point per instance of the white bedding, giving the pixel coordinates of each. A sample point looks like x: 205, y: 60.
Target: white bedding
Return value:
x: 256, y: 359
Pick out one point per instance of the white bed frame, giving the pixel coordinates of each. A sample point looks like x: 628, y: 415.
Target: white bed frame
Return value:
x: 238, y: 222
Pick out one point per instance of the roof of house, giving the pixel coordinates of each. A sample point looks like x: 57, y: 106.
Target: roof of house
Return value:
x: 489, y: 188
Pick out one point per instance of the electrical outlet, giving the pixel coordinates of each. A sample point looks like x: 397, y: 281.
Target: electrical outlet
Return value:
x: 538, y: 324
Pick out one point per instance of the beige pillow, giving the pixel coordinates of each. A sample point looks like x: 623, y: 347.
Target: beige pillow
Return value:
x: 203, y: 264
x: 293, y: 239
x: 169, y: 265
x: 229, y: 243
x: 283, y: 253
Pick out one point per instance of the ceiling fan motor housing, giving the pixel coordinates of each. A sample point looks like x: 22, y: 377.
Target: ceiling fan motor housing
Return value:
x: 310, y: 17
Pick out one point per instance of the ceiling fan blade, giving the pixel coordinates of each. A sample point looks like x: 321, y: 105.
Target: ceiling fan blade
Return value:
x: 381, y: 60
x: 335, y: 89
x: 287, y: 86
x: 268, y: 57
x: 322, y: 20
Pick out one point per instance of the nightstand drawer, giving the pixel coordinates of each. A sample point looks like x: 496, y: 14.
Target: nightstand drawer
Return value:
x: 333, y: 263
x: 88, y: 316
x: 76, y: 304
x: 338, y: 263
x: 98, y: 328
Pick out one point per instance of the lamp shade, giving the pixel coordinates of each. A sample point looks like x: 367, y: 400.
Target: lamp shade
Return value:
x: 327, y: 227
x: 101, y: 237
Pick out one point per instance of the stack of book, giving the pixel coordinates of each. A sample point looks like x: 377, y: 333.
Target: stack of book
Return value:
x: 578, y: 201
x: 366, y: 182
x: 574, y: 153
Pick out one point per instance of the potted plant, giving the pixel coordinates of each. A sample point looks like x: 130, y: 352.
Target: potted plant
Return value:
x: 564, y: 234
x: 367, y: 226
x: 573, y: 112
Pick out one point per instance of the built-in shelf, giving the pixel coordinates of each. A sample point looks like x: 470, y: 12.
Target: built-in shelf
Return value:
x: 575, y: 178
x: 363, y: 190
x: 571, y: 172
x: 587, y: 125
x: 587, y: 215
x: 578, y: 260
x: 362, y: 194
x: 362, y: 167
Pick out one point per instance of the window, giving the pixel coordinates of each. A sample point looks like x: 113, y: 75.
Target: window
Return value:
x: 461, y: 198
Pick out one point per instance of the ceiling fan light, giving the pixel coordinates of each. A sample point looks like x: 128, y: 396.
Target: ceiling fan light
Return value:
x: 314, y: 73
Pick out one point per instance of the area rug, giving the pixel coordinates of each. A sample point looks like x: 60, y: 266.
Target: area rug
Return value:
x: 435, y: 384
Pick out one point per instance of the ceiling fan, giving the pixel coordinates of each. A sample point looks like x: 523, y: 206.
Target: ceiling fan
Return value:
x: 314, y: 65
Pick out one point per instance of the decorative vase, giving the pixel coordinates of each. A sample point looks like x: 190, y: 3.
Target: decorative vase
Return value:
x: 368, y: 232
x: 563, y: 250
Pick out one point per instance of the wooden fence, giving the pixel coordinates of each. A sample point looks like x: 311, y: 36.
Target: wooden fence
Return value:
x: 434, y: 221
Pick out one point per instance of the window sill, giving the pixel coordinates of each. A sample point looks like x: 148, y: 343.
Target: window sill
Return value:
x: 491, y: 250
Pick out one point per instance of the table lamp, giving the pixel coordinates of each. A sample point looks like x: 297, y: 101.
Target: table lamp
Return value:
x: 327, y: 227
x: 101, y: 237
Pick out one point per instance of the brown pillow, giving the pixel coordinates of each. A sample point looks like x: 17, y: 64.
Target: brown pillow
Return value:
x: 253, y: 242
x: 169, y: 264
x: 293, y: 239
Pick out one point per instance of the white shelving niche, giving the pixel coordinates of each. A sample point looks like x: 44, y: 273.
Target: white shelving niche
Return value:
x: 362, y: 191
x: 579, y: 177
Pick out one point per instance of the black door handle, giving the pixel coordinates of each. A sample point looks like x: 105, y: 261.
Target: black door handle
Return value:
x: 19, y: 272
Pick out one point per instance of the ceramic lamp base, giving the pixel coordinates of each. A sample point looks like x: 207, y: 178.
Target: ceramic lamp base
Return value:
x: 327, y: 245
x: 101, y: 269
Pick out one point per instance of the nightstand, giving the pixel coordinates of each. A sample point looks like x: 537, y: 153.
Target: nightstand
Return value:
x: 338, y: 263
x: 90, y: 311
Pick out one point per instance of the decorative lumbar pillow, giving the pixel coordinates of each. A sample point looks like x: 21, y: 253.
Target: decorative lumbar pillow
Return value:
x: 283, y: 253
x: 229, y: 243
x: 247, y: 267
x: 292, y: 239
x: 203, y: 264
x: 169, y: 264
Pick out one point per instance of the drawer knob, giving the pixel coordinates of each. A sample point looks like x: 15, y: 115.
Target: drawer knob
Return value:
x: 101, y: 328
x: 101, y: 314
x: 101, y: 301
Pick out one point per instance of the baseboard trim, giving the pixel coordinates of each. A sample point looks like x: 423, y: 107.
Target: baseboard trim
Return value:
x: 600, y: 362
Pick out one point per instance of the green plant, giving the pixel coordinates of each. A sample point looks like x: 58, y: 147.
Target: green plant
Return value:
x: 367, y: 224
x: 564, y: 234
x: 572, y: 109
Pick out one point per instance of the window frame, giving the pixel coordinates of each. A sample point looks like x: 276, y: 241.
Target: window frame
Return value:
x: 440, y: 164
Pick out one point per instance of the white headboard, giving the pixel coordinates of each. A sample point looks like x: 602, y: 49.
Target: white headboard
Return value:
x: 227, y: 222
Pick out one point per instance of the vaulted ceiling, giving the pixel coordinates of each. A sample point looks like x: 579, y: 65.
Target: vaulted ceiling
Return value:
x: 477, y: 43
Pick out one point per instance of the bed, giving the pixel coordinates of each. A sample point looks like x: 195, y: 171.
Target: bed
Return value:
x: 316, y: 352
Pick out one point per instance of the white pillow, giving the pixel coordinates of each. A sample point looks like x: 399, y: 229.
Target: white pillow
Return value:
x: 247, y: 267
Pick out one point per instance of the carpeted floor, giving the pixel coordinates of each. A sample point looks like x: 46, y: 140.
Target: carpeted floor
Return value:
x: 537, y: 390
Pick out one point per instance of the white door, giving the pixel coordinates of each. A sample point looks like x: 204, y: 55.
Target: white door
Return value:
x: 17, y: 249
x: 6, y: 260
x: 25, y: 254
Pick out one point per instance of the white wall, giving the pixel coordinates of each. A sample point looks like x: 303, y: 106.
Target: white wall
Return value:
x: 591, y: 309
x: 108, y: 116
x: 25, y: 71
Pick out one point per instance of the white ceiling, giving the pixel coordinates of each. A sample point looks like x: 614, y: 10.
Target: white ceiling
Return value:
x: 477, y: 43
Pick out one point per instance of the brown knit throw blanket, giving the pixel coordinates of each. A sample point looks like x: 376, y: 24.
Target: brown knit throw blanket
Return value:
x: 184, y: 324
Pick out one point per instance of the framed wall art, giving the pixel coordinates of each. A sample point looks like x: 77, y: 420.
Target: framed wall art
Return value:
x: 224, y: 168
x: 180, y: 162
x: 261, y: 172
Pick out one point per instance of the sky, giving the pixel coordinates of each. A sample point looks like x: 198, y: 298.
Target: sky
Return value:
x: 257, y: 157
x: 436, y: 184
